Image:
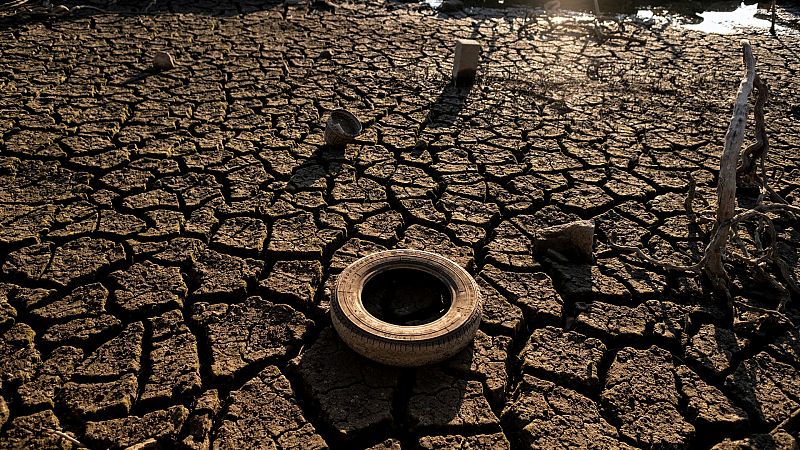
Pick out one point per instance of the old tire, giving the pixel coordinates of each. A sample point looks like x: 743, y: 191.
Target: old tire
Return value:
x: 398, y: 345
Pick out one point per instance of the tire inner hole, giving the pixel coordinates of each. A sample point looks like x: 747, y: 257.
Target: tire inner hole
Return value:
x: 406, y: 297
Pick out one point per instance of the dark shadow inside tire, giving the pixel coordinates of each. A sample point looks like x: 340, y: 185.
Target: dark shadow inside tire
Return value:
x: 372, y: 312
x: 406, y: 297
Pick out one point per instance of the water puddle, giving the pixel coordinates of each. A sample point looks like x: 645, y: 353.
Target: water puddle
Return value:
x: 729, y: 22
x: 700, y: 16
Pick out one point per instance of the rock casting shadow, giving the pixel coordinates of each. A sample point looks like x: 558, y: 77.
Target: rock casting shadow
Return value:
x: 445, y: 109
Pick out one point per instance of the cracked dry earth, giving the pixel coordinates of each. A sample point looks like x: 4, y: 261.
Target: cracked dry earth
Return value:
x: 169, y: 240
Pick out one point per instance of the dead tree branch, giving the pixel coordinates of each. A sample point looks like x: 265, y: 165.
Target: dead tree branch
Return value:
x: 746, y: 171
x: 737, y: 165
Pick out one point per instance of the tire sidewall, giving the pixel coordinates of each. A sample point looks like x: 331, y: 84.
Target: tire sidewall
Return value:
x: 406, y: 345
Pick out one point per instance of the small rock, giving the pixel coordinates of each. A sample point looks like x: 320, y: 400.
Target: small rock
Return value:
x: 573, y: 239
x: 467, y: 53
x: 163, y: 61
x: 60, y: 10
x: 325, y: 54
x: 451, y: 6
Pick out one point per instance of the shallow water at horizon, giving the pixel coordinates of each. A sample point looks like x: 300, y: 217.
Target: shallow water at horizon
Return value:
x: 709, y: 19
x: 728, y: 22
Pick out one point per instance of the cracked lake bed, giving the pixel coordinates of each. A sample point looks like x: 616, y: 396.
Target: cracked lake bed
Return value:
x: 169, y: 240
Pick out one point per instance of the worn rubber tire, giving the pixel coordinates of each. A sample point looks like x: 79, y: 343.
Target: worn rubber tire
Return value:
x: 398, y: 345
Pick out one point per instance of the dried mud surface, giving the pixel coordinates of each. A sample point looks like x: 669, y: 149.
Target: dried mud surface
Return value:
x: 168, y: 240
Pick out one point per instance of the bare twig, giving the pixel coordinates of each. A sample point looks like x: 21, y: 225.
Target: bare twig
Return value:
x: 789, y: 423
x: 67, y: 437
x: 746, y: 171
x: 779, y: 314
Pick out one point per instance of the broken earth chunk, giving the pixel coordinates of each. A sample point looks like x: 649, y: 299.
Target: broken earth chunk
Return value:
x: 254, y: 331
x: 573, y: 240
x: 268, y: 395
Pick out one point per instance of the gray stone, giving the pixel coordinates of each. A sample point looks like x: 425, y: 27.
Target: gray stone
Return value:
x: 163, y: 61
x: 573, y: 240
